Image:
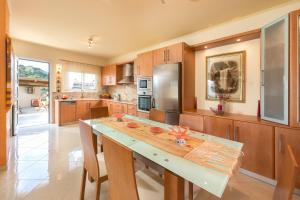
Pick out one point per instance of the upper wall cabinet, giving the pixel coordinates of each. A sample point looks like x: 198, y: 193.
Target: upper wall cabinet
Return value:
x: 170, y: 54
x: 274, y: 71
x: 111, y: 75
x: 294, y: 68
x: 144, y: 64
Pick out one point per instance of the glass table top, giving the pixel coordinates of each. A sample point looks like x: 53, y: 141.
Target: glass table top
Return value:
x: 209, y: 179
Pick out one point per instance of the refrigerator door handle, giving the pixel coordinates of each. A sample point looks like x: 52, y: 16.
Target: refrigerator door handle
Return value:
x: 153, y: 103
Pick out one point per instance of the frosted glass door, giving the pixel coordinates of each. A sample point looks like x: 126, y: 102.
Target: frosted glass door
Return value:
x: 274, y: 71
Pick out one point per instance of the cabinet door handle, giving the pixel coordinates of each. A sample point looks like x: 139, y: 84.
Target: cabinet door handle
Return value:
x: 262, y: 76
x: 228, y: 132
x: 235, y: 134
x: 280, y: 144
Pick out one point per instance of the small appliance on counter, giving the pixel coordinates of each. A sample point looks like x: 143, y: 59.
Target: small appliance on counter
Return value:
x: 105, y: 95
x: 144, y: 91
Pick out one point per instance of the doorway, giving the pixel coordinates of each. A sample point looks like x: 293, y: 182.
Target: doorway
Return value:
x: 31, y: 94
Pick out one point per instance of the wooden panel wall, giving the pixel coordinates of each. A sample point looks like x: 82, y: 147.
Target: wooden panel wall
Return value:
x: 3, y: 131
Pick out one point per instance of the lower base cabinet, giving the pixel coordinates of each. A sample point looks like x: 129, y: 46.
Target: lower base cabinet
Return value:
x: 143, y: 115
x: 284, y: 136
x: 258, y: 147
x: 218, y: 127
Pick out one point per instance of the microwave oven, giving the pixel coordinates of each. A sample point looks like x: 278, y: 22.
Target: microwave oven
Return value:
x: 144, y: 85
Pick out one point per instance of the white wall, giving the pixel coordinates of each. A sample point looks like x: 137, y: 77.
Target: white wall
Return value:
x: 25, y: 98
x: 252, y: 77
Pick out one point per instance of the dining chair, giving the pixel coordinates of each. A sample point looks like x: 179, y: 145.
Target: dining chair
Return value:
x: 287, y: 176
x: 124, y: 183
x: 93, y: 164
x: 195, y: 123
x: 157, y: 115
x: 98, y: 112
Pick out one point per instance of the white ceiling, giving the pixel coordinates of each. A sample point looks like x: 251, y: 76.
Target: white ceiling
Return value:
x: 120, y: 26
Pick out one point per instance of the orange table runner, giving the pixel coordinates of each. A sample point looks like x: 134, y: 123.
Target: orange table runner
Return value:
x: 205, y: 153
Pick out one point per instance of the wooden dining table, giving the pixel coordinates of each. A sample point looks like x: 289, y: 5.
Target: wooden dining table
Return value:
x: 204, y: 160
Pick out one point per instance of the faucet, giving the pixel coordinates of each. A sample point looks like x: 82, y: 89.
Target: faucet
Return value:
x: 82, y: 96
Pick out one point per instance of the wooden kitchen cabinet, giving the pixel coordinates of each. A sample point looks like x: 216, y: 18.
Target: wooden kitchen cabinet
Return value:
x: 65, y: 112
x: 144, y: 64
x: 143, y: 115
x: 168, y: 55
x: 258, y: 147
x: 82, y: 109
x: 95, y: 103
x: 283, y: 137
x: 218, y: 127
x: 111, y: 75
x: 131, y: 110
x: 159, y: 56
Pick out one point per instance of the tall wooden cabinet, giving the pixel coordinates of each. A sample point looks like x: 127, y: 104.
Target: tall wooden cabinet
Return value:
x: 258, y: 147
x: 284, y: 136
x: 274, y: 71
x: 295, y: 68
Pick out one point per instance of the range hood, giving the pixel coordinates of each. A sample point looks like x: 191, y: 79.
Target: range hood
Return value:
x: 127, y: 74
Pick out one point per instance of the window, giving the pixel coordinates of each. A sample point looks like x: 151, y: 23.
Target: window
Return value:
x: 84, y: 81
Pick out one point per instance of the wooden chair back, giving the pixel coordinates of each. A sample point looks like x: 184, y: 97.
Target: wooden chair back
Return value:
x: 89, y: 150
x: 157, y: 115
x: 120, y: 170
x: 98, y: 112
x: 287, y: 176
x: 194, y: 122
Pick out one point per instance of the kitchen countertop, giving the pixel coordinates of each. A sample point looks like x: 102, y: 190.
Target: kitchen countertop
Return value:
x: 91, y: 99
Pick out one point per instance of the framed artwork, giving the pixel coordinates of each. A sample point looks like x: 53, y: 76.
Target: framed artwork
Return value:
x: 225, y: 75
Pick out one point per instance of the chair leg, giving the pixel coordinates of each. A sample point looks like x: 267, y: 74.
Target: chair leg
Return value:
x: 98, y: 190
x: 83, y: 181
x: 191, y: 192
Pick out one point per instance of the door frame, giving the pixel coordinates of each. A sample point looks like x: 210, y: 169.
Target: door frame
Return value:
x: 49, y: 84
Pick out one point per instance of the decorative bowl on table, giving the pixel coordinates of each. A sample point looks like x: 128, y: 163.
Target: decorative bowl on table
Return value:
x: 180, y: 133
x: 119, y: 117
x: 132, y: 125
x: 156, y: 129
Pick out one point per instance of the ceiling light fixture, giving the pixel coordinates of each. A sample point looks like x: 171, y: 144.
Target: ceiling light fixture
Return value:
x: 90, y: 42
x: 238, y: 40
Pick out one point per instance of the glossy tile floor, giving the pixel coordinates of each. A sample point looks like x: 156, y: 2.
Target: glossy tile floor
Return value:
x: 45, y: 163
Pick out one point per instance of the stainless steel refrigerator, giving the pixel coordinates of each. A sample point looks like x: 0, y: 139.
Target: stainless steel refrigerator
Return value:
x: 167, y: 91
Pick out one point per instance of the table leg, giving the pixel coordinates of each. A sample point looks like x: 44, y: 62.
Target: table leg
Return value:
x: 174, y: 186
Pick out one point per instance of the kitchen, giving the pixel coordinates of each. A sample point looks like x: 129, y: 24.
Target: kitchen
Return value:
x: 127, y: 87
x: 207, y: 113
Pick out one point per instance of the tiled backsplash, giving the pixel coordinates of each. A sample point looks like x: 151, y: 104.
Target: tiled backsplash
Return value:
x: 76, y: 95
x: 127, y: 92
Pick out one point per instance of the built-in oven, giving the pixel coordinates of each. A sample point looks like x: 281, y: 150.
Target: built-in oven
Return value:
x: 144, y: 85
x: 144, y: 103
